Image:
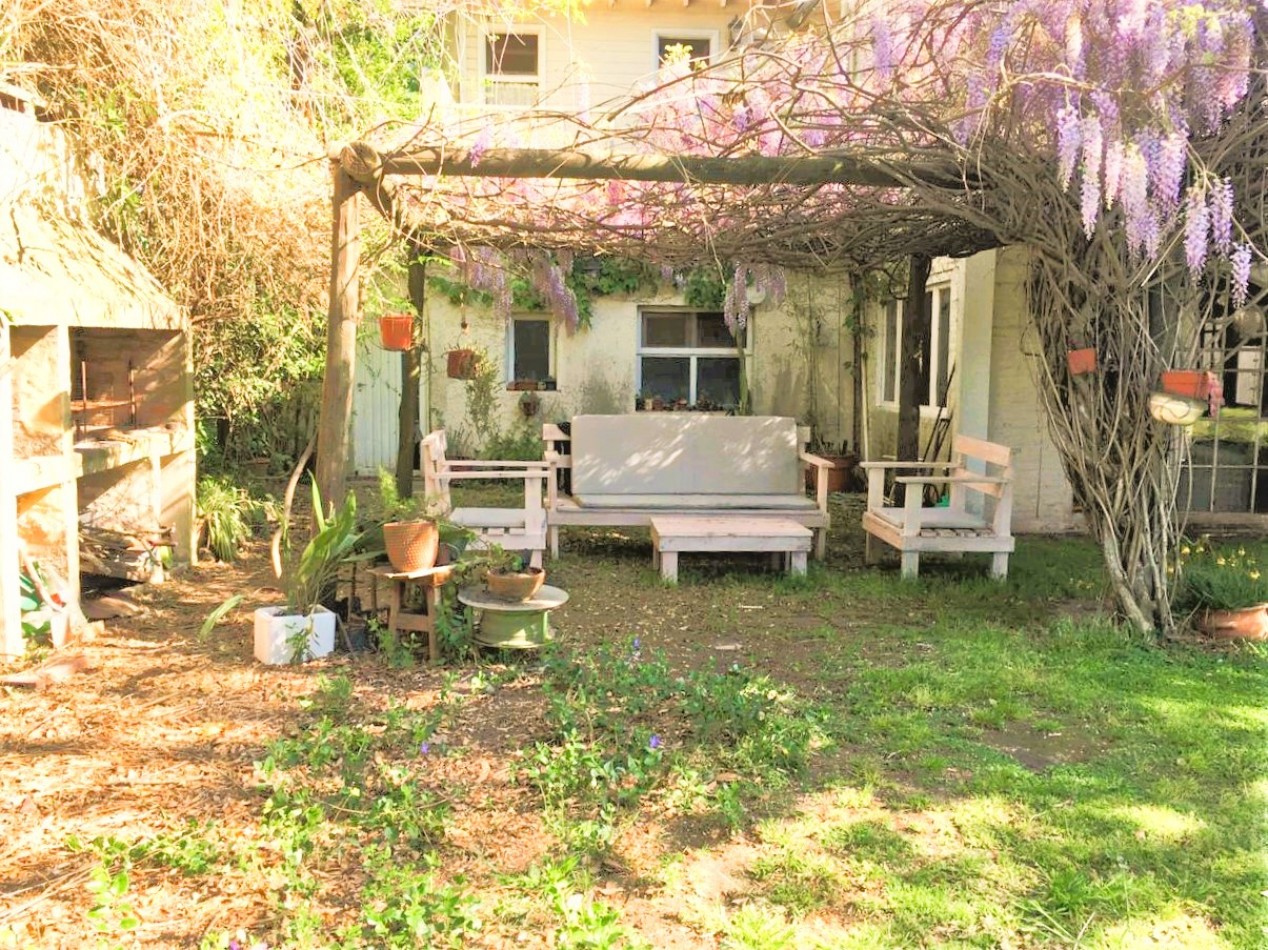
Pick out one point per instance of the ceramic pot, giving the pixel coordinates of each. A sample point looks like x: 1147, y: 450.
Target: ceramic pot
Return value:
x: 515, y: 586
x: 276, y: 632
x: 411, y: 545
x: 396, y: 330
x: 1247, y: 623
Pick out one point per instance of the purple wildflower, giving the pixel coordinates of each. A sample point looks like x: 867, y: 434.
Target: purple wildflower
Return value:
x: 424, y: 749
x: 634, y: 647
x: 1222, y: 215
x: 1240, y: 261
x: 654, y: 742
x: 480, y: 146
x: 1197, y: 228
x: 234, y: 944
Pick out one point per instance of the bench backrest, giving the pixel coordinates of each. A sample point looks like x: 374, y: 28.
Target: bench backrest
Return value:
x: 653, y: 453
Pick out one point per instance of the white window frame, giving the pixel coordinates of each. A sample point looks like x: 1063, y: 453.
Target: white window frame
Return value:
x: 510, y: 344
x: 692, y: 353
x: 488, y: 80
x: 713, y: 36
x: 891, y: 363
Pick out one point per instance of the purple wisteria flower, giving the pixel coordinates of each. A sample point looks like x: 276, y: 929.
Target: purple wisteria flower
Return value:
x: 1222, y: 215
x: 1069, y: 138
x: 1240, y: 260
x: 1197, y: 228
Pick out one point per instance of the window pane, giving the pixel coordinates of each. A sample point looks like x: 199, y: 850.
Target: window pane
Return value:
x: 667, y: 377
x: 943, y: 318
x: 511, y: 54
x: 669, y: 47
x: 890, y: 355
x: 711, y: 331
x: 532, y: 349
x: 718, y: 380
x: 666, y: 329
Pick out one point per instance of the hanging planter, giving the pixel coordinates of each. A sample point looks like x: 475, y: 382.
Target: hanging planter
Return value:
x: 396, y: 330
x: 1175, y: 410
x: 529, y: 404
x: 462, y: 364
x: 1082, y: 361
x: 1191, y: 383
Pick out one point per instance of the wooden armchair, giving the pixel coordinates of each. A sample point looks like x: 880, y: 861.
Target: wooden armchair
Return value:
x: 958, y: 526
x: 515, y: 529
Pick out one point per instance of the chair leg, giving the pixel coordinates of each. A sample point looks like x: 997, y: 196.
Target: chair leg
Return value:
x: 911, y: 564
x: 669, y: 566
x: 999, y: 566
x: 535, y: 559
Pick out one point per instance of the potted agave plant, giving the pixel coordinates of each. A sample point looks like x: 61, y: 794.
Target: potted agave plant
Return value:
x: 1225, y: 591
x: 303, y: 629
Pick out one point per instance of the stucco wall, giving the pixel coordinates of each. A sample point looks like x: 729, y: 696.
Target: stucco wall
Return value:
x: 595, y: 368
x: 1042, y: 500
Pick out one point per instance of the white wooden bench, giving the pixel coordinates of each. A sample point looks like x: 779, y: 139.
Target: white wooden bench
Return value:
x: 625, y: 469
x: 513, y: 529
x: 672, y: 534
x: 977, y: 516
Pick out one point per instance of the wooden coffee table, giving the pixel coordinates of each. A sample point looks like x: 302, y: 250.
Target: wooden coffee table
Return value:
x: 782, y: 537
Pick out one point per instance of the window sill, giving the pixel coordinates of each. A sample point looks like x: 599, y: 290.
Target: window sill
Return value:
x: 517, y: 386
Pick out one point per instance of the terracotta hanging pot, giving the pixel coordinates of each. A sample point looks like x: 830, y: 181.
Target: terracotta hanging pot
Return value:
x: 462, y: 364
x: 396, y: 330
x: 1191, y: 383
x: 1082, y: 361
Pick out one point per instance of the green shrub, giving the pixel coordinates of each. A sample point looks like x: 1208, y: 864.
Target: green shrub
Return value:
x: 1214, y: 579
x: 226, y: 511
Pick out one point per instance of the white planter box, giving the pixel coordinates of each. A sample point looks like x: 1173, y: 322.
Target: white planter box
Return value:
x: 275, y: 631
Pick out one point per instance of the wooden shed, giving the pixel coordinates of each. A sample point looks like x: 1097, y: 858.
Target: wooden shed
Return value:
x: 96, y: 385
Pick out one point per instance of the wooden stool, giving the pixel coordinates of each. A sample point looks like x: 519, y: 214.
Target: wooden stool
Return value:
x: 399, y: 620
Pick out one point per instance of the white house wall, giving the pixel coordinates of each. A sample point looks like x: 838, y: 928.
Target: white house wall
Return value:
x: 595, y: 368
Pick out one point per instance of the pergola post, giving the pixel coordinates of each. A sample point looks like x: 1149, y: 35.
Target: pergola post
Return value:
x: 335, y: 419
x: 11, y: 643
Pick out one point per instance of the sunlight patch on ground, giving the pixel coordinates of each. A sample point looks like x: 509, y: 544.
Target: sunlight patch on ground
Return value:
x: 1160, y: 823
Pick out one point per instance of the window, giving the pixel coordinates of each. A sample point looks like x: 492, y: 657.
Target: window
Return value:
x: 698, y: 47
x: 688, y: 354
x: 935, y: 350
x: 512, y: 69
x: 529, y: 357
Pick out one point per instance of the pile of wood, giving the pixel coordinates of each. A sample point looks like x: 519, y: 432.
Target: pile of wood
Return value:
x: 135, y: 556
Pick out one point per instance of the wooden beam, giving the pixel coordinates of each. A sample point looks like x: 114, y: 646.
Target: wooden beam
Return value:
x: 344, y: 314
x: 365, y: 166
x: 11, y: 642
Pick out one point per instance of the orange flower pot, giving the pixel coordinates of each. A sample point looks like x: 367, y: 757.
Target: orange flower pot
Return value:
x: 1191, y: 383
x: 1082, y: 361
x: 396, y: 330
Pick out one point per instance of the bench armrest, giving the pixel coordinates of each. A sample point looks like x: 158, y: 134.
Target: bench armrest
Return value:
x: 816, y: 460
x: 883, y: 465
x: 951, y: 480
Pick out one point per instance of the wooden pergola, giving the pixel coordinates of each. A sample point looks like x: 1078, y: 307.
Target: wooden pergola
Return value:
x: 783, y: 220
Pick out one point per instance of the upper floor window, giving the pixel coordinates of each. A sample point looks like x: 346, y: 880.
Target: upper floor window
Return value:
x: 512, y: 68
x: 697, y: 47
x: 935, y: 349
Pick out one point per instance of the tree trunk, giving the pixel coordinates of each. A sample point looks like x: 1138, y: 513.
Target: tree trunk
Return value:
x: 915, y: 336
x: 335, y: 420
x: 411, y: 373
x: 1122, y: 465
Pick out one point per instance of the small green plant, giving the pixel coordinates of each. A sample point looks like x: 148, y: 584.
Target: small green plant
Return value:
x: 314, y: 573
x: 111, y: 914
x: 1219, y: 579
x: 226, y: 511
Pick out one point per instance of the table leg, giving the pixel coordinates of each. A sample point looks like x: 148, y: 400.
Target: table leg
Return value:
x: 433, y: 611
x: 395, y: 596
x: 669, y: 566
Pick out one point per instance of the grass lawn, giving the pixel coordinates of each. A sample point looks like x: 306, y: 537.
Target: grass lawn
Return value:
x: 744, y: 761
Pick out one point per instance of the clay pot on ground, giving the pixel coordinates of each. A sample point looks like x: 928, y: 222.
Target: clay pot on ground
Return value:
x: 514, y: 586
x: 411, y: 545
x: 1246, y: 623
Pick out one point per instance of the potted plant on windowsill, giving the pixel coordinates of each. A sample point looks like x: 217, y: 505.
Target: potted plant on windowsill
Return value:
x: 1225, y: 590
x: 304, y: 629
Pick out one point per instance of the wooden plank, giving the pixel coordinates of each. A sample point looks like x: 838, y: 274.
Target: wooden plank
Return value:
x: 11, y: 643
x: 991, y: 452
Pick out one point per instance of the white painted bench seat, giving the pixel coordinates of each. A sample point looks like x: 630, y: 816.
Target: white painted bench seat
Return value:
x: 625, y: 469
x: 977, y: 523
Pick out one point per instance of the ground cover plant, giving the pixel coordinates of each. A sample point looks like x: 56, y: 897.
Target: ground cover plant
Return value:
x: 746, y: 760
